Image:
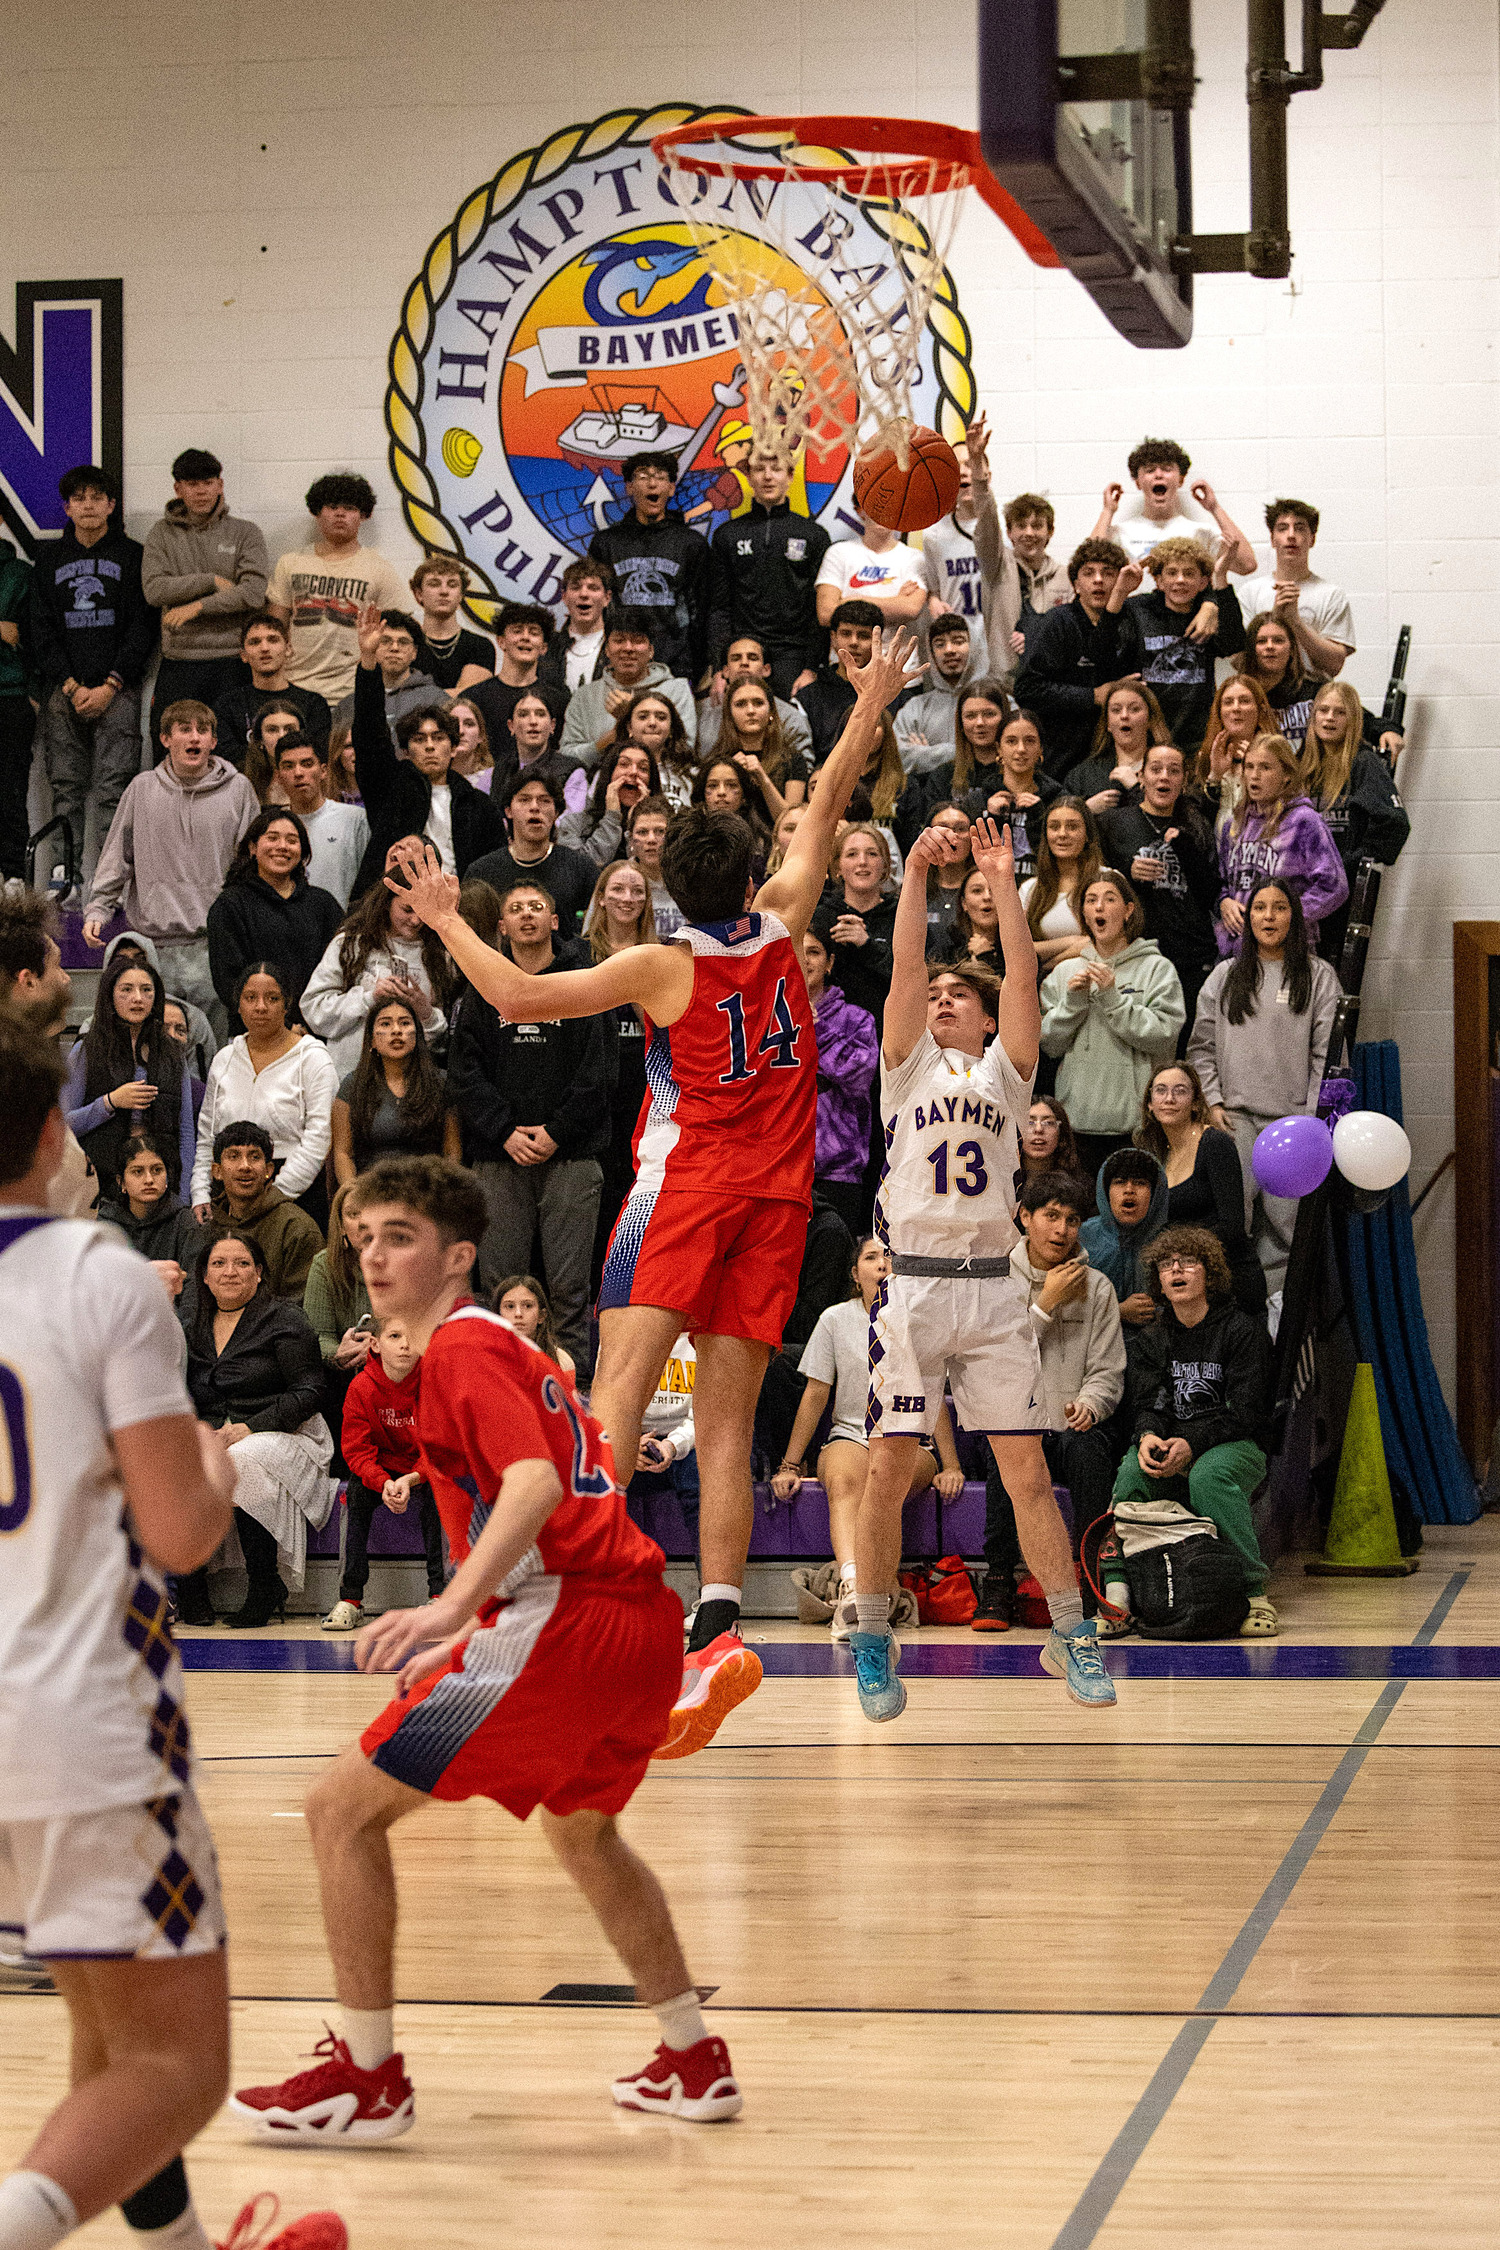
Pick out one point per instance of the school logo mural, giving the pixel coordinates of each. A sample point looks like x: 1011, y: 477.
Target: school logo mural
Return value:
x: 61, y: 398
x: 566, y: 320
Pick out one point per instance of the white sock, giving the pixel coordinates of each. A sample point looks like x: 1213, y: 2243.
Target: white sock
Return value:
x: 681, y: 2021
x: 370, y: 2034
x: 874, y: 1612
x: 185, y: 2232
x: 35, y: 2213
x: 846, y: 1577
x: 719, y: 1594
x: 1066, y: 1609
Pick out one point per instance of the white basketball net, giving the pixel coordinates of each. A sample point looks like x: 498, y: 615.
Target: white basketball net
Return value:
x: 832, y: 362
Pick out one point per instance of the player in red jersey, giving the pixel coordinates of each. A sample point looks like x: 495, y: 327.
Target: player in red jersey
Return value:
x: 711, y: 1237
x: 542, y: 1676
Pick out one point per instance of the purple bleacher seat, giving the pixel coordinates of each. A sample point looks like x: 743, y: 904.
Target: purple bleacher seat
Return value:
x: 75, y: 954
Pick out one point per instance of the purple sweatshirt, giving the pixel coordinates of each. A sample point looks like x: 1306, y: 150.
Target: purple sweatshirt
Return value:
x: 1301, y: 853
x: 848, y: 1057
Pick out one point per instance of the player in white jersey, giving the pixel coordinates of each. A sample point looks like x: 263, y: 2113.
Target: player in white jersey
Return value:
x: 949, y: 1312
x: 107, y: 1868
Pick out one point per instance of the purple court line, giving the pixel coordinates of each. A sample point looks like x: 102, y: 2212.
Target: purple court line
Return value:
x: 811, y: 1660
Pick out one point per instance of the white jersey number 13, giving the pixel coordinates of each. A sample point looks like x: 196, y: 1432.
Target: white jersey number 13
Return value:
x: 968, y: 1173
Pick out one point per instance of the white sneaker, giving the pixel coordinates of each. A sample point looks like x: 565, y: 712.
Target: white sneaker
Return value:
x: 344, y: 1617
x: 845, y: 1618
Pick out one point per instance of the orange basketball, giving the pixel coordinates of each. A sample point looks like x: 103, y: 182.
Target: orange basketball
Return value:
x: 908, y: 499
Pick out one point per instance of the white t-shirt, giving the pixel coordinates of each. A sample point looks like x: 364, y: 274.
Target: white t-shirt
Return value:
x: 91, y: 1697
x: 582, y: 656
x: 669, y: 1416
x: 952, y: 1152
x: 858, y: 572
x: 838, y: 1354
x: 1138, y: 534
x: 1059, y: 919
x: 339, y: 835
x: 439, y: 829
x: 325, y: 594
x: 1324, y: 605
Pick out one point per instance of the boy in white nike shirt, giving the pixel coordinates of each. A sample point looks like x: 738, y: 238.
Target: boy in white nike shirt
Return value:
x: 949, y: 1310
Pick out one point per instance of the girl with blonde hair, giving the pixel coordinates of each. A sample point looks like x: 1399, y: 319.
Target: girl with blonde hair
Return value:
x: 1276, y: 831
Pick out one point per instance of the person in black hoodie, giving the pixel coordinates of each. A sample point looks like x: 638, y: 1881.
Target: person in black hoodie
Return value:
x: 153, y: 1221
x: 418, y: 795
x: 533, y: 1102
x: 763, y: 572
x: 1166, y: 846
x: 1073, y: 660
x: 1174, y: 635
x: 268, y: 910
x: 659, y: 564
x: 93, y: 633
x: 1198, y: 1380
x: 827, y: 699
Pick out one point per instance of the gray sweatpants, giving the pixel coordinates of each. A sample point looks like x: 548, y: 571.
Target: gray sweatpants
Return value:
x: 561, y: 1199
x: 90, y: 758
x: 1272, y: 1224
x: 184, y: 968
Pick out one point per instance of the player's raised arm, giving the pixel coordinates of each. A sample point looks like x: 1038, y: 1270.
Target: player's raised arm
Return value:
x: 657, y: 978
x: 1019, y: 1016
x: 906, y: 1006
x: 794, y: 890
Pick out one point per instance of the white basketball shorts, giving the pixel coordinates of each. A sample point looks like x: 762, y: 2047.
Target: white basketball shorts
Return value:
x: 133, y: 1883
x: 974, y: 1334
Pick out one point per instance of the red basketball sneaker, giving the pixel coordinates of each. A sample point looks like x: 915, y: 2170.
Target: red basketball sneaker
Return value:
x: 692, y: 2082
x: 714, y: 1680
x: 336, y: 2101
x: 319, y: 2230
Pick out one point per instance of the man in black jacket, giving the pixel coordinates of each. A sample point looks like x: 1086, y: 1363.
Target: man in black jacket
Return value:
x: 659, y: 564
x: 93, y: 633
x: 1166, y: 846
x: 531, y: 804
x: 1074, y: 659
x: 533, y: 1099
x: 827, y: 699
x: 1198, y: 1382
x: 764, y: 569
x: 418, y: 795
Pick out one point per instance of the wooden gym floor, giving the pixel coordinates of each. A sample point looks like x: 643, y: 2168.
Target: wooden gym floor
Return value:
x: 1221, y: 1965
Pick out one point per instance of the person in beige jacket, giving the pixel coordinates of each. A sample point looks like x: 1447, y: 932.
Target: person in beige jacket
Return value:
x: 1076, y: 1321
x: 206, y: 571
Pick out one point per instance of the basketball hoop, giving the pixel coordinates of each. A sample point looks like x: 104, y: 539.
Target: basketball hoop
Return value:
x: 831, y: 359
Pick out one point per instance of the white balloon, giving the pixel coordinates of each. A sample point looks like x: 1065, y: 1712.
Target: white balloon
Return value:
x: 1371, y: 1150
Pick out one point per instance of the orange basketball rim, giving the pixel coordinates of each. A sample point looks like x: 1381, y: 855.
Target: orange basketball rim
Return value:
x: 943, y: 157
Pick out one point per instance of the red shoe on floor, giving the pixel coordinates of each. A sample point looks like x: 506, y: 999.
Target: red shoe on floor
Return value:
x: 693, y: 2082
x: 318, y: 2230
x: 714, y: 1680
x: 336, y: 2101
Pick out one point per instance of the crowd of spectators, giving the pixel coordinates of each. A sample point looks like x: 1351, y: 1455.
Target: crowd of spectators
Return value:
x: 1191, y: 787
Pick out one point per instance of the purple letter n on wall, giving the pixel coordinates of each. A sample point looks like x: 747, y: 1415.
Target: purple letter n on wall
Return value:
x: 61, y: 398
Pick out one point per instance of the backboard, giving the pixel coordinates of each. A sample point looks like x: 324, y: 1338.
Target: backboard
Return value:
x: 1084, y: 115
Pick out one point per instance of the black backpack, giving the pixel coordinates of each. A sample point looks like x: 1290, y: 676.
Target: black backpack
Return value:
x: 1187, y: 1590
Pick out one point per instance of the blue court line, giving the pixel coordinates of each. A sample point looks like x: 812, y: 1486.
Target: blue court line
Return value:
x: 1131, y: 2142
x: 1130, y: 1660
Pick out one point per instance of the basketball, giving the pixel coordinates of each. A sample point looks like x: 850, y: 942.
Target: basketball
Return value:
x: 908, y: 499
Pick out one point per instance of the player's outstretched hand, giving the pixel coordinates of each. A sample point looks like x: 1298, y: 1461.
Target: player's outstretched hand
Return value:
x: 936, y: 847
x: 388, y: 1642
x: 993, y: 853
x: 431, y: 895
x: 888, y: 671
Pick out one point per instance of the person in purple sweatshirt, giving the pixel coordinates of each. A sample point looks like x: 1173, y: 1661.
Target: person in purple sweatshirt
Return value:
x: 1276, y: 831
x: 848, y: 1057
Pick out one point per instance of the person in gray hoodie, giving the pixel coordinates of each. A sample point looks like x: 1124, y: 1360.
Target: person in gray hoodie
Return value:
x: 1075, y: 1318
x: 629, y: 666
x: 167, y: 852
x: 205, y: 570
x: 925, y: 725
x: 1110, y: 1014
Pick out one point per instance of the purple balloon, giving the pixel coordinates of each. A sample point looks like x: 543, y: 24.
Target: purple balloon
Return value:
x: 1293, y: 1156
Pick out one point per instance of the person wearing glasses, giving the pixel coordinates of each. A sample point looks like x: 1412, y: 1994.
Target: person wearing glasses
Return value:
x: 1198, y: 1380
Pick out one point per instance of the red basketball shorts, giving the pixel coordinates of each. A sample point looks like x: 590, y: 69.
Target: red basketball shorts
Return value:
x: 729, y: 1264
x: 559, y: 1703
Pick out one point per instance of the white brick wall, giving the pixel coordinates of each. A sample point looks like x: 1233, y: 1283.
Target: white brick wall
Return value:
x: 267, y: 178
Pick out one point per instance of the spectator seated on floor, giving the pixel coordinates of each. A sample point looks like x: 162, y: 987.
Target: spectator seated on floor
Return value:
x: 1075, y: 1319
x: 255, y: 1374
x: 521, y: 1299
x: 385, y: 1468
x: 1198, y: 1397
